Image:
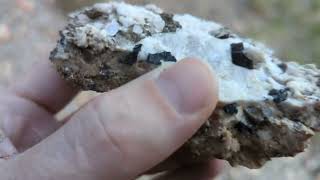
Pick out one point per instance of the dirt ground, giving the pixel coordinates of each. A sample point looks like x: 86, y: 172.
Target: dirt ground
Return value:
x: 28, y: 31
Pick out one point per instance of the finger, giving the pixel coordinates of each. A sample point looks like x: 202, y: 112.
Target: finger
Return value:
x: 24, y: 122
x: 43, y: 86
x: 205, y: 171
x: 123, y: 133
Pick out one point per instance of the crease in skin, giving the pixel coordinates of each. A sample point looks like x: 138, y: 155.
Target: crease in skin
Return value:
x: 100, y: 141
x: 104, y: 125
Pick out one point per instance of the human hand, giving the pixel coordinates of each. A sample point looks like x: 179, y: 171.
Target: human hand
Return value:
x: 119, y: 135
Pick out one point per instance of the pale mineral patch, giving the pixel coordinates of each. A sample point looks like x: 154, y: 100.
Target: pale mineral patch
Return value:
x: 267, y: 108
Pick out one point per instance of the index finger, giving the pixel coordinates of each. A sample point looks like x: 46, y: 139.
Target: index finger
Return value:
x: 43, y: 86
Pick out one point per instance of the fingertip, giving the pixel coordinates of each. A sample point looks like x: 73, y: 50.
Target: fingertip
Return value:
x: 190, y: 85
x: 213, y: 92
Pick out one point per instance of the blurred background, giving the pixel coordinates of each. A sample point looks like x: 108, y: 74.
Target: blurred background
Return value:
x: 28, y: 32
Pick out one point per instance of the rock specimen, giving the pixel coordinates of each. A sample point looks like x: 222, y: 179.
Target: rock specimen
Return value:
x: 267, y: 108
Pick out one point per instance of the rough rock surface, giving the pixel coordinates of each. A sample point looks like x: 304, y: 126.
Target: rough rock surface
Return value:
x: 267, y: 108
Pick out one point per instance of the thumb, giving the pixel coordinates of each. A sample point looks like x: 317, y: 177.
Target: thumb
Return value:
x: 125, y: 132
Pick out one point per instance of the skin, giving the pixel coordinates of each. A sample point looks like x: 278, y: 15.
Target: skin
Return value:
x: 119, y: 135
